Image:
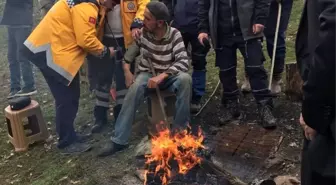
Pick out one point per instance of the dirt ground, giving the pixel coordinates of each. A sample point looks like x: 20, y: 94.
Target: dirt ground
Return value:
x: 43, y: 165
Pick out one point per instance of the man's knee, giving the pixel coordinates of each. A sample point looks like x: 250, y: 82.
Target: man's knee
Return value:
x: 184, y: 79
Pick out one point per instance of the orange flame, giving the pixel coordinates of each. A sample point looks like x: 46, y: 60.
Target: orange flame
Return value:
x: 181, y: 147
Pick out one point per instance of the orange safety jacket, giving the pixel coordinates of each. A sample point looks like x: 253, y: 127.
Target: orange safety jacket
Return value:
x: 132, y: 16
x: 61, y: 41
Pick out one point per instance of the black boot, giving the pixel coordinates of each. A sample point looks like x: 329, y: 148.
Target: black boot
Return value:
x: 265, y: 108
x: 100, y: 114
x: 110, y: 149
x: 231, y: 111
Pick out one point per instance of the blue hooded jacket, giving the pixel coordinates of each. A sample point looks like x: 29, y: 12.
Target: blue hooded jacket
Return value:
x: 184, y: 14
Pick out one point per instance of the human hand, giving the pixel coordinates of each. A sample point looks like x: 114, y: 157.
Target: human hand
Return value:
x: 155, y: 81
x: 112, y: 51
x: 257, y: 28
x: 202, y: 36
x: 136, y: 32
x: 129, y: 78
x: 309, y: 132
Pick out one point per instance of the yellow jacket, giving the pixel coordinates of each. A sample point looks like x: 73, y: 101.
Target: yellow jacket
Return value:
x: 65, y: 35
x: 132, y: 15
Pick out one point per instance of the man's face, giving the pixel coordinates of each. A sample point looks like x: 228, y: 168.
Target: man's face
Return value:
x: 149, y: 21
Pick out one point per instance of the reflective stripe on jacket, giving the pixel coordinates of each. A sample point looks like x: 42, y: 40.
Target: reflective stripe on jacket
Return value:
x: 66, y: 34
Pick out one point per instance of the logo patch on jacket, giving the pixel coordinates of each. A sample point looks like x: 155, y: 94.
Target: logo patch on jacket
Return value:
x: 130, y: 6
x: 92, y: 20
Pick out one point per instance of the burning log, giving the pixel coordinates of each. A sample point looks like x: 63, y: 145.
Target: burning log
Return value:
x: 222, y: 172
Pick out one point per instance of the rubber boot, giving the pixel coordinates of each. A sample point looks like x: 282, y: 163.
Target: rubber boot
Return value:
x: 276, y: 84
x: 246, y: 87
x: 231, y: 111
x: 100, y: 114
x: 198, y: 88
x: 267, y: 119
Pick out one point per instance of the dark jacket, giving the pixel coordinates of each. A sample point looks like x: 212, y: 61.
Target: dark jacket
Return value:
x: 249, y: 12
x: 18, y: 12
x: 315, y: 53
x: 184, y: 14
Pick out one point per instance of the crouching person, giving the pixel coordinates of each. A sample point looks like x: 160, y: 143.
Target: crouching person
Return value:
x: 58, y: 47
x: 163, y: 46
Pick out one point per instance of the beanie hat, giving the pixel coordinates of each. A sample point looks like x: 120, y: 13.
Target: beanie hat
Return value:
x: 159, y: 10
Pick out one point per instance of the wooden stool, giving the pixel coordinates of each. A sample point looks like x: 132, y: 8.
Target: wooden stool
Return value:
x: 154, y: 110
x: 22, y: 134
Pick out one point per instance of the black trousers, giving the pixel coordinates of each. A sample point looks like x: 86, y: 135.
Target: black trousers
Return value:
x: 226, y: 60
x: 102, y: 72
x: 66, y: 106
x: 198, y: 57
x: 308, y: 175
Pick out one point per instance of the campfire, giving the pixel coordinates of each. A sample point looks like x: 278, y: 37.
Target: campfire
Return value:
x: 169, y: 149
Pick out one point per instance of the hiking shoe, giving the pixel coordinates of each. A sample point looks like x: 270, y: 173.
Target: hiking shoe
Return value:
x: 75, y: 148
x: 268, y: 121
x: 12, y: 94
x: 195, y: 107
x: 100, y: 114
x: 82, y: 138
x: 246, y: 87
x: 231, y: 112
x: 110, y: 149
x: 276, y: 87
x: 27, y: 92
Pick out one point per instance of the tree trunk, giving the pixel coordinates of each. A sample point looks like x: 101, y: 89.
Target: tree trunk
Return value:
x: 294, y: 82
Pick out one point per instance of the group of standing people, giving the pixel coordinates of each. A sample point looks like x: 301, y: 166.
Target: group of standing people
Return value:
x: 111, y: 33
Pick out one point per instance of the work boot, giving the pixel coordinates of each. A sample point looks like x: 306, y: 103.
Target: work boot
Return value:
x: 110, y: 149
x: 100, y: 114
x: 276, y: 86
x: 75, y: 148
x: 268, y: 121
x: 231, y: 111
x: 195, y: 105
x: 246, y: 87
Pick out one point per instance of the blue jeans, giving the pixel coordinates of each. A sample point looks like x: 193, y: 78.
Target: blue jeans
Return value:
x: 179, y: 84
x: 280, y: 52
x: 18, y: 65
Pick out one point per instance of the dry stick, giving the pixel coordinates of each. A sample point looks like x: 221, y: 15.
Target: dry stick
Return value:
x: 213, y: 93
x: 222, y: 172
x: 158, y: 93
x: 275, y: 45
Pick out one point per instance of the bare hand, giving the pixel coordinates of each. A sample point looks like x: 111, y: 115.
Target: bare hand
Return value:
x: 258, y: 28
x: 129, y: 78
x: 136, y: 32
x: 112, y: 51
x: 157, y: 80
x: 202, y: 36
x: 309, y: 132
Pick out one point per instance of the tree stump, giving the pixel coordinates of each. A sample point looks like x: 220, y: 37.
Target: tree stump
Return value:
x: 294, y: 82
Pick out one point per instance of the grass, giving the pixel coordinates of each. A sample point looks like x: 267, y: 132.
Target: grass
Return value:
x: 43, y: 165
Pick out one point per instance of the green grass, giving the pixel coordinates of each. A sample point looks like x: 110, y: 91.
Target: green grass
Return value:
x: 41, y: 166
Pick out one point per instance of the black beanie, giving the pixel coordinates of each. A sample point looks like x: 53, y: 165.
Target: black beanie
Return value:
x: 159, y: 10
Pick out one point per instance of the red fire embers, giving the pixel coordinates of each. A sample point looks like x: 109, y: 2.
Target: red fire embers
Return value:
x: 181, y: 147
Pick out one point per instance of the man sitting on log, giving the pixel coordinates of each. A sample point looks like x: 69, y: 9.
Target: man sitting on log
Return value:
x: 162, y: 47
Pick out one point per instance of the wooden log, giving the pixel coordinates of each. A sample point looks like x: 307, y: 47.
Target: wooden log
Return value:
x: 294, y: 82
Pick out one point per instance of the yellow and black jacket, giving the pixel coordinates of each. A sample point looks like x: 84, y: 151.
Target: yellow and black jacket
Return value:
x: 132, y: 15
x: 61, y: 41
